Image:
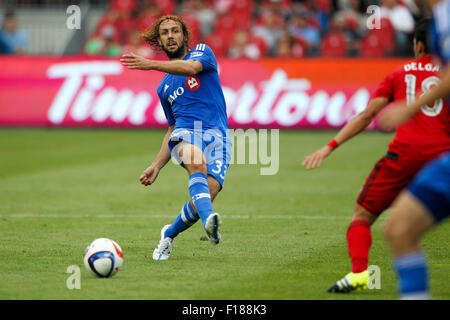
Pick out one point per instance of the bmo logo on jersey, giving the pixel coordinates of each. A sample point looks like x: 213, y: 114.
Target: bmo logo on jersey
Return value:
x: 192, y: 83
x: 175, y: 94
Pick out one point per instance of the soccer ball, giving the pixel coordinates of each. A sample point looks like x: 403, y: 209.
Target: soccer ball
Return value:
x: 103, y: 257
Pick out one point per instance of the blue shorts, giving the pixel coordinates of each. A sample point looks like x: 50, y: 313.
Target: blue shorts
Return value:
x: 215, y: 145
x: 431, y: 186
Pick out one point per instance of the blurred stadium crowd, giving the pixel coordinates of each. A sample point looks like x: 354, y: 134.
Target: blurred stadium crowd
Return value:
x: 248, y: 29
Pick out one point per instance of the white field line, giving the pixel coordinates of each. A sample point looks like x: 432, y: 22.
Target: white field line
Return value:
x: 159, y: 216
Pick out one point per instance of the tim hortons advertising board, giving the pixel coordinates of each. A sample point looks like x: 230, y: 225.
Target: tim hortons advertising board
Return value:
x: 269, y: 93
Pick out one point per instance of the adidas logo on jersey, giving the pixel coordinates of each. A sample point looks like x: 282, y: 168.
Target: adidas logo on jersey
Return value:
x: 196, y: 54
x: 200, y: 47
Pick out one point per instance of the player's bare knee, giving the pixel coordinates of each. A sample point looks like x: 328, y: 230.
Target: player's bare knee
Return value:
x: 195, y: 168
x: 360, y: 213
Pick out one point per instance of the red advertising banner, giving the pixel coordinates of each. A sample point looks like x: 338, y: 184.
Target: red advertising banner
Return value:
x: 272, y: 93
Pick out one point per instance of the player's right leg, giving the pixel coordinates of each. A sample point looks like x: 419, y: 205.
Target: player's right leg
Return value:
x: 187, y: 217
x: 359, y: 240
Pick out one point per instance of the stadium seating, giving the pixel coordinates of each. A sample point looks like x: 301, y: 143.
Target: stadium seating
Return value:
x: 334, y: 44
x: 379, y: 42
x: 121, y: 18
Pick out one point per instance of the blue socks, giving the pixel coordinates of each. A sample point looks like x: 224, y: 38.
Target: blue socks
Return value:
x: 200, y: 195
x: 413, y: 276
x: 184, y: 220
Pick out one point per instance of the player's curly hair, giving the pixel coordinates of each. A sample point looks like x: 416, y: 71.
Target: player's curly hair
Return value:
x: 151, y: 35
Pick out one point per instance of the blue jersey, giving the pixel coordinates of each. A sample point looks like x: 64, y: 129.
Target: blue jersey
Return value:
x: 187, y: 99
x: 440, y: 30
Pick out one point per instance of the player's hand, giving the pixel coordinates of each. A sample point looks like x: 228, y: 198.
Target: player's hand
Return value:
x: 134, y: 61
x: 149, y: 176
x: 394, y: 116
x: 315, y: 159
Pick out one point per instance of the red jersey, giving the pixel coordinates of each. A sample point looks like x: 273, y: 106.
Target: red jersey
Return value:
x: 428, y: 132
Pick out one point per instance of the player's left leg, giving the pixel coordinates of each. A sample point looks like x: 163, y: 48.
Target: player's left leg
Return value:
x: 408, y: 221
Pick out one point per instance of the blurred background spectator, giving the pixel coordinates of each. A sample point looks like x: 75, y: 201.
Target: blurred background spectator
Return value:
x: 136, y: 44
x: 12, y: 39
x: 402, y: 20
x: 242, y: 47
x: 106, y: 43
x: 241, y: 28
x: 305, y: 32
x: 289, y: 47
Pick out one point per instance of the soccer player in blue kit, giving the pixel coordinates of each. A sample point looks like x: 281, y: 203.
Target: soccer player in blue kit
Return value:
x: 198, y: 134
x: 426, y: 201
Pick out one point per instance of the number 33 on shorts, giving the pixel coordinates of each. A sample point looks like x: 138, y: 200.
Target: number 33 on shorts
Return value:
x: 219, y: 169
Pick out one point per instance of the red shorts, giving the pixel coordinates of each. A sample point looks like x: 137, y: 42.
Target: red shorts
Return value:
x: 389, y: 176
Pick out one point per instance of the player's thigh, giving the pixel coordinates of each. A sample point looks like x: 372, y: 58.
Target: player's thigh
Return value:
x: 192, y: 157
x: 387, y: 179
x: 408, y: 220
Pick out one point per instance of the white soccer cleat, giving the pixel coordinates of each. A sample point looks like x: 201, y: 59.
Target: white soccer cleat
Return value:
x: 212, y: 228
x: 164, y: 248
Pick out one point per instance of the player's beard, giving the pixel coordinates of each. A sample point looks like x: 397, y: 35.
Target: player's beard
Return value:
x: 177, y: 54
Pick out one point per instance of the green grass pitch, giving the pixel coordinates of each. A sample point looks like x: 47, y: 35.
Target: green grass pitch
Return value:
x: 283, y: 235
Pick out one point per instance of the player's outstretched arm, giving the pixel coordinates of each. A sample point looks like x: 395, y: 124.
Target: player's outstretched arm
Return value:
x: 151, y: 173
x: 400, y: 113
x: 177, y: 67
x: 355, y: 126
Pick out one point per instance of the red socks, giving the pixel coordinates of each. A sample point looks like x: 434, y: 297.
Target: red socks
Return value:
x: 359, y: 239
